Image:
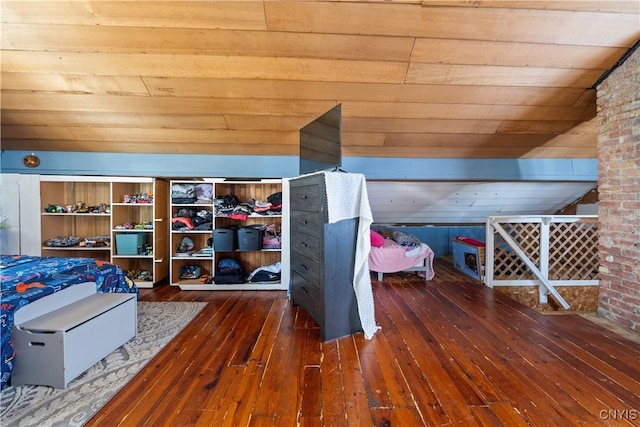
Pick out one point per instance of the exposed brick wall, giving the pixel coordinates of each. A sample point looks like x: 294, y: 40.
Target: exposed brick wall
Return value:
x: 618, y: 100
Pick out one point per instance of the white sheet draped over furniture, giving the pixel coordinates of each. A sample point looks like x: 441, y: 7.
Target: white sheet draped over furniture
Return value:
x: 347, y: 198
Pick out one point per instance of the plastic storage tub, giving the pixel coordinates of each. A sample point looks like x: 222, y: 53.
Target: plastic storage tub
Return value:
x: 250, y: 239
x: 225, y: 240
x: 129, y: 243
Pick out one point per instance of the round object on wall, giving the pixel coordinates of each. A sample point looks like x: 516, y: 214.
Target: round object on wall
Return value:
x: 31, y: 160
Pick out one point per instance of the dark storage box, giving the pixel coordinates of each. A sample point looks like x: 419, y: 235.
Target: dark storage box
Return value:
x: 225, y: 240
x: 250, y: 238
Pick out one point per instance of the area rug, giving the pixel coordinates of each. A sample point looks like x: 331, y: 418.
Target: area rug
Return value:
x: 158, y: 323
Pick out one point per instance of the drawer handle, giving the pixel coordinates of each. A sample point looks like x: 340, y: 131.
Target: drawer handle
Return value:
x: 304, y: 221
x: 304, y: 196
x: 303, y: 244
x: 304, y: 267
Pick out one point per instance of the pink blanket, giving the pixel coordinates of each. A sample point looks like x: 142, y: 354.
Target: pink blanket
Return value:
x: 392, y: 258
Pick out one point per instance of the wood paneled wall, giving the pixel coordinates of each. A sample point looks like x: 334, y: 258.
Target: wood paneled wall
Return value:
x: 437, y: 79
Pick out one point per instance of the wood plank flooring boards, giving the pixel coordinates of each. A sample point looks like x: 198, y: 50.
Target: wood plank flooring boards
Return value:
x: 450, y: 352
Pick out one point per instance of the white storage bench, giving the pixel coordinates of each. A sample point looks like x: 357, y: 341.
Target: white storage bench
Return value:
x: 60, y: 336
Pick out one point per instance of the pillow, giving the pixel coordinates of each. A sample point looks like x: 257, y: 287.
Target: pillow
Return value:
x: 405, y: 239
x: 376, y: 239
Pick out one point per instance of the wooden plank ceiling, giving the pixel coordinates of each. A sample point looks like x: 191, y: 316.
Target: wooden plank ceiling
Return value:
x: 435, y: 79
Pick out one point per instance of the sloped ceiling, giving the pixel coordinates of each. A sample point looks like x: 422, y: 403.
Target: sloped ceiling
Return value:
x: 435, y: 79
x: 457, y: 202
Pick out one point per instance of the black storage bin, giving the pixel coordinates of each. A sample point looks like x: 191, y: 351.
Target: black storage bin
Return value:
x: 225, y: 240
x: 250, y: 238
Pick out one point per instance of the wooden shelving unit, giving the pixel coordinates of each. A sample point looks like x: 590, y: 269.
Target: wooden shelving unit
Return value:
x: 69, y: 193
x: 244, y: 190
x: 93, y: 209
x: 142, y: 204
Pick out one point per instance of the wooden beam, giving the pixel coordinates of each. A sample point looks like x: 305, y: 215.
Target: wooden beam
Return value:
x: 203, y: 66
x: 368, y: 124
x: 420, y: 73
x: 73, y: 83
x: 536, y: 127
x: 471, y: 23
x: 510, y: 54
x: 302, y: 108
x: 162, y: 105
x: 292, y: 89
x: 244, y: 15
x: 192, y: 41
x: 159, y: 135
x: 464, y: 111
x: 93, y: 119
x: 469, y: 152
x: 183, y: 147
x: 610, y: 6
x: 441, y: 93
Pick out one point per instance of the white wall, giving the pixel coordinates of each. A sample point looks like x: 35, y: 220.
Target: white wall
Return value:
x: 465, y: 202
x: 10, y: 208
x: 20, y: 203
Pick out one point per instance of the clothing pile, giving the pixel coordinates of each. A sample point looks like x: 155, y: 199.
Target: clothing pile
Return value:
x: 266, y: 274
x: 228, y: 272
x: 229, y: 206
x: 411, y: 244
x: 187, y: 193
x: 192, y: 219
x: 272, y: 238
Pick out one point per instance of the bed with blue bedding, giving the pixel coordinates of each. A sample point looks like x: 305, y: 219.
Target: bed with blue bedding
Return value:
x: 24, y: 279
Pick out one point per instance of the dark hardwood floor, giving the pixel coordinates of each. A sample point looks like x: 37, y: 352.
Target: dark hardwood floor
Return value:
x: 450, y: 352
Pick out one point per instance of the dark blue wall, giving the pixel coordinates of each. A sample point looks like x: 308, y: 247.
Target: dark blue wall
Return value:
x: 439, y: 237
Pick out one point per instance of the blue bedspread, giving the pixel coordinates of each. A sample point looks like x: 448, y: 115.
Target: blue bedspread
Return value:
x: 24, y: 279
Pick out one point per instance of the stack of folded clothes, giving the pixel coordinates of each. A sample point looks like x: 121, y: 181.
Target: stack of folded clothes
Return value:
x: 229, y: 271
x: 230, y: 206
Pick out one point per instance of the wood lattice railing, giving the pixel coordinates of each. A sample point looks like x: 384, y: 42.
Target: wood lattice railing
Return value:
x: 544, y: 251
